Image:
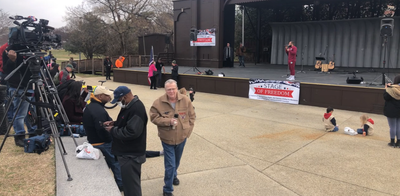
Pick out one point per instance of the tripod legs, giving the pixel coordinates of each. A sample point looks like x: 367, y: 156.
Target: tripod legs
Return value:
x: 41, y: 97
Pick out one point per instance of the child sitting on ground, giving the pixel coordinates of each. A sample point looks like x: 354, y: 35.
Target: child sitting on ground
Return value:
x: 330, y: 121
x: 367, y: 125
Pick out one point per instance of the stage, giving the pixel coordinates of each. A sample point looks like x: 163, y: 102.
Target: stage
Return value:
x: 316, y: 89
x: 278, y: 72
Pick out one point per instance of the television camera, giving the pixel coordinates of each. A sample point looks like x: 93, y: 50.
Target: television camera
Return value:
x: 33, y: 35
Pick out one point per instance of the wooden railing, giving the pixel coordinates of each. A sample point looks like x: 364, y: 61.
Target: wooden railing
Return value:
x: 96, y: 65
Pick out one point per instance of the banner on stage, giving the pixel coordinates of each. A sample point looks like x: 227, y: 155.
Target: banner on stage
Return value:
x: 274, y: 90
x: 204, y: 38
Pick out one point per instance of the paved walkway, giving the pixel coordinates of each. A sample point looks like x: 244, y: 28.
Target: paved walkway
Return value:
x: 249, y: 147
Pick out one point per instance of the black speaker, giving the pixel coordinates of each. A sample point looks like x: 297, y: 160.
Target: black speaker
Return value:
x: 387, y: 26
x: 193, y: 34
x: 354, y: 79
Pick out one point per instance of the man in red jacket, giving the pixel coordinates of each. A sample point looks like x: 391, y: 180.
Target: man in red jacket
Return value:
x: 291, y: 51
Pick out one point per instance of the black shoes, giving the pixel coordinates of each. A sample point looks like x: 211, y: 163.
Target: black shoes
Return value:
x: 167, y: 194
x: 19, y: 140
x: 175, y: 182
x: 397, y: 144
x: 392, y: 144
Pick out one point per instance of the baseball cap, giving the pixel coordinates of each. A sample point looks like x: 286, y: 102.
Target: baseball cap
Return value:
x: 120, y: 92
x: 69, y: 65
x: 102, y: 90
x: 173, y: 62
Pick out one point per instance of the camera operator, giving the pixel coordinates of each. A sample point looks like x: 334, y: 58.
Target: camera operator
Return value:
x: 11, y: 61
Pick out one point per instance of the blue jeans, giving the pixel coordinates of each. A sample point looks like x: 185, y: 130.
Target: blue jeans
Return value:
x: 22, y: 113
x: 335, y: 129
x: 172, y: 158
x: 394, y: 125
x: 241, y: 60
x: 360, y: 131
x: 10, y: 112
x: 111, y: 162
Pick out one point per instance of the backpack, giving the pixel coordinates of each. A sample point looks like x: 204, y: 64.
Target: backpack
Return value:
x: 37, y: 144
x: 56, y: 79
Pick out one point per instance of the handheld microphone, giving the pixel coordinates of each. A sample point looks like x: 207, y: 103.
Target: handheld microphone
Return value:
x: 176, y: 117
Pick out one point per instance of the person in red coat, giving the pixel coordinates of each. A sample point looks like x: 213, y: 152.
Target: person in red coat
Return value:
x: 291, y: 51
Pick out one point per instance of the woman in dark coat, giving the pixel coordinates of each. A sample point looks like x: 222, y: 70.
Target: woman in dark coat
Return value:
x: 74, y: 103
x: 392, y: 110
x: 174, y: 71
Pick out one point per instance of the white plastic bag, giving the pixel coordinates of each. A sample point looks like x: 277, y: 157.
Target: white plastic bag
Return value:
x: 350, y: 131
x: 86, y: 151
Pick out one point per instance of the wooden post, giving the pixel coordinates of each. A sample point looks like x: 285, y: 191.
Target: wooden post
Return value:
x: 102, y: 67
x: 140, y: 61
x: 79, y: 66
x: 93, y: 68
x: 130, y: 61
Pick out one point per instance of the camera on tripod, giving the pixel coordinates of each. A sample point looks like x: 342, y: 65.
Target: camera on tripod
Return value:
x: 40, y: 37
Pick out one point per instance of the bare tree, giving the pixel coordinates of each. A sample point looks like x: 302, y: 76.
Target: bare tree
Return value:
x: 5, y: 22
x: 123, y: 16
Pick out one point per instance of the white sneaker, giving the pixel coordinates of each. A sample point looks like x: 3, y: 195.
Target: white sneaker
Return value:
x: 291, y: 77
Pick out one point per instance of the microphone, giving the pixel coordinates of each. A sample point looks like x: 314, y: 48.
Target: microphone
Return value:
x: 175, y: 116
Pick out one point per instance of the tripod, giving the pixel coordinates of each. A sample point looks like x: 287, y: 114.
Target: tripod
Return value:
x: 302, y: 55
x: 384, y: 76
x: 195, y: 61
x: 47, y: 103
x: 194, y: 69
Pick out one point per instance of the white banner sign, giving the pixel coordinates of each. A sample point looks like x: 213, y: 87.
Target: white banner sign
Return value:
x: 274, y: 90
x: 204, y: 38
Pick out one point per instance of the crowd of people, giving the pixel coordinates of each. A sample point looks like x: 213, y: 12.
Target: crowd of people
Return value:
x: 123, y: 141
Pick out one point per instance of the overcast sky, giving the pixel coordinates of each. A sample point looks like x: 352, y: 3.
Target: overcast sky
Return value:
x: 52, y: 10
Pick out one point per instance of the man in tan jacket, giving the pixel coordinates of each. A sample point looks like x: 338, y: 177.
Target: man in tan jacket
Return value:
x: 174, y: 116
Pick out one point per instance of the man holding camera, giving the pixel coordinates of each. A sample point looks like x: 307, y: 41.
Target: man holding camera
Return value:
x: 11, y: 61
x: 93, y: 118
x: 291, y: 51
x: 174, y: 116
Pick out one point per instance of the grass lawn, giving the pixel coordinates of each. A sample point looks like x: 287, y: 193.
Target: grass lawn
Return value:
x: 26, y: 173
x: 63, y: 55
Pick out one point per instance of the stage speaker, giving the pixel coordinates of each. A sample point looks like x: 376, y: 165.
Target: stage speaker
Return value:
x: 354, y: 79
x: 193, y: 34
x: 387, y: 26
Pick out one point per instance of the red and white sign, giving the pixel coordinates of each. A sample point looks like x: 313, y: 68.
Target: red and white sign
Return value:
x: 204, y: 38
x: 274, y: 90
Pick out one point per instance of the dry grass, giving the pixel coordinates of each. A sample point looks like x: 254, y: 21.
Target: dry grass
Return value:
x: 26, y: 173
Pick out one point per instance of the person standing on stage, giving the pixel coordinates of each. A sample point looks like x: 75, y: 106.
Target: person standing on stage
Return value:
x: 159, y: 66
x: 174, y: 71
x: 228, y: 55
x: 291, y: 51
x: 240, y: 53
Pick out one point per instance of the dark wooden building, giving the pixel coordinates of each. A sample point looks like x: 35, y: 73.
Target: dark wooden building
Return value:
x: 160, y: 42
